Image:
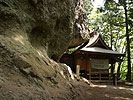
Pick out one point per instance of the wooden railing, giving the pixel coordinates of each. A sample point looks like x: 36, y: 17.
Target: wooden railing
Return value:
x: 100, y: 76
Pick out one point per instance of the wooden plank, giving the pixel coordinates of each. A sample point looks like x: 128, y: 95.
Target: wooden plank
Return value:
x: 99, y: 75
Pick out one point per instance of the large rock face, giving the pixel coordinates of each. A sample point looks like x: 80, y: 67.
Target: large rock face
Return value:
x: 46, y: 24
x: 81, y: 29
x: 32, y: 32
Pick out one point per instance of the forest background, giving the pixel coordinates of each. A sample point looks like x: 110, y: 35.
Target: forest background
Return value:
x: 115, y: 20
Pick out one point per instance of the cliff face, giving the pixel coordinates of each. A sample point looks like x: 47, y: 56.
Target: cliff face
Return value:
x: 31, y: 33
x: 81, y: 29
x: 46, y: 24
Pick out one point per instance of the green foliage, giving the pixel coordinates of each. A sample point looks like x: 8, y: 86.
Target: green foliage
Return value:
x: 88, y: 7
x: 111, y: 22
x: 71, y: 50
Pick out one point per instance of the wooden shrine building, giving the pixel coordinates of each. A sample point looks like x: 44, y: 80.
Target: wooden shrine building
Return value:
x: 95, y: 58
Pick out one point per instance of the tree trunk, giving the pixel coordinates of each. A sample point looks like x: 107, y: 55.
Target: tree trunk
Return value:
x: 111, y: 39
x: 128, y: 46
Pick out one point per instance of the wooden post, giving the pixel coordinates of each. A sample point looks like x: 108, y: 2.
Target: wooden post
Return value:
x: 99, y: 76
x: 115, y: 79
x: 109, y: 76
x: 112, y: 68
x: 77, y: 70
x: 113, y: 73
x: 89, y: 70
x: 89, y: 75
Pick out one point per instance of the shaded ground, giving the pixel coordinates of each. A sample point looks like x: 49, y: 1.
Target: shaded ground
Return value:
x: 98, y: 91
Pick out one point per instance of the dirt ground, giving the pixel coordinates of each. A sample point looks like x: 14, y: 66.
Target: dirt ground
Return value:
x: 81, y: 91
x: 105, y: 91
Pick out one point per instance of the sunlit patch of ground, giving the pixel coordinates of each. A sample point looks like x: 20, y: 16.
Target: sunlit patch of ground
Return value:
x: 114, y: 87
x: 103, y: 86
x: 109, y: 92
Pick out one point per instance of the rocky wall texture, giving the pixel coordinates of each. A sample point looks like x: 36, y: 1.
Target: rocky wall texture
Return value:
x: 33, y: 35
x: 81, y: 28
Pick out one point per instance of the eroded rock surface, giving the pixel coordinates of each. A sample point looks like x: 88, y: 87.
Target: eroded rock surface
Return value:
x: 31, y: 33
x: 81, y: 28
